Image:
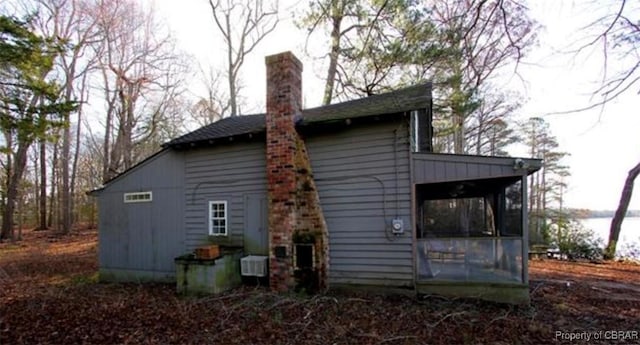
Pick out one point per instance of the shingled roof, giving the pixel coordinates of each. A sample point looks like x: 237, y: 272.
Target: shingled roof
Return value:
x: 227, y: 127
x: 411, y: 98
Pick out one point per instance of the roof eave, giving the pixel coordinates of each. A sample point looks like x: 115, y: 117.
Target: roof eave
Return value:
x: 95, y: 192
x: 247, y: 136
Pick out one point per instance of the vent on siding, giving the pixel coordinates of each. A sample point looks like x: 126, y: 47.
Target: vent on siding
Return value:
x: 138, y: 197
x: 254, y: 265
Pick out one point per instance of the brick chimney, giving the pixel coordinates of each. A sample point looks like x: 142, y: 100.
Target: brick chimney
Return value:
x: 294, y: 206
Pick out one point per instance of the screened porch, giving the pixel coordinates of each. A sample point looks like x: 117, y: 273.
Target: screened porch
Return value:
x: 470, y: 218
x: 471, y: 230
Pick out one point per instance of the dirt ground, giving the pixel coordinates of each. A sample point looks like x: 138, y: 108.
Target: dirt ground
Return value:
x: 49, y: 294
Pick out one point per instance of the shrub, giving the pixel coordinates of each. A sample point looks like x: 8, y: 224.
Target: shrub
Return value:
x: 575, y: 241
x: 629, y: 251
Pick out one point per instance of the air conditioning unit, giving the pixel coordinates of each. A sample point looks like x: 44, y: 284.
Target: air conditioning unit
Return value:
x: 254, y: 265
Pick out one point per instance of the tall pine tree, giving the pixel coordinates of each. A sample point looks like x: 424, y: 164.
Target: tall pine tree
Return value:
x: 29, y: 103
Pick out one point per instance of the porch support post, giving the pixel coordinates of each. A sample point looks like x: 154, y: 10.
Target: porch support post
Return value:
x: 525, y: 232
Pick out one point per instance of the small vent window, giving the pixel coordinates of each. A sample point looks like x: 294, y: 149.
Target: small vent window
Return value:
x: 138, y: 197
x: 218, y: 218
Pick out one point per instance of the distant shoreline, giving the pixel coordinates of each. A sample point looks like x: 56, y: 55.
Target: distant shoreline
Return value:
x: 582, y: 213
x: 604, y: 217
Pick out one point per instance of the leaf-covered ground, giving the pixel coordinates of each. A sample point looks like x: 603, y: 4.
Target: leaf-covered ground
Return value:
x: 49, y: 295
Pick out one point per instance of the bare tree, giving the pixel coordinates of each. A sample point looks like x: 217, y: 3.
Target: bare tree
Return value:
x: 139, y: 67
x: 495, y: 35
x: 165, y: 116
x: 242, y: 25
x: 215, y: 105
x: 488, y: 129
x: 88, y: 177
x: 621, y: 212
x: 71, y: 22
x: 618, y: 35
x: 341, y: 17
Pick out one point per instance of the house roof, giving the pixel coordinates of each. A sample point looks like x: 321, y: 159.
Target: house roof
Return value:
x: 227, y: 127
x: 411, y: 98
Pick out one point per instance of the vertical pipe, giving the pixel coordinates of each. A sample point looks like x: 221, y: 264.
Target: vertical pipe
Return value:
x: 414, y: 228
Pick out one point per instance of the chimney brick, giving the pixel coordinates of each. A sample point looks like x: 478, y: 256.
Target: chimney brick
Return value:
x: 284, y: 100
x: 294, y: 204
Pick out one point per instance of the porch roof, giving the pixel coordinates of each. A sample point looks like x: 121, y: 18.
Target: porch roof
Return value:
x: 438, y: 167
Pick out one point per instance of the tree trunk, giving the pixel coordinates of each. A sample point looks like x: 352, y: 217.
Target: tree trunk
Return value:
x: 542, y: 197
x: 333, y: 57
x: 532, y: 190
x: 231, y: 69
x: 616, y: 222
x: 65, y: 207
x: 458, y: 134
x: 93, y: 220
x: 108, y: 127
x: 43, y: 185
x: 479, y: 137
x: 76, y: 155
x: 74, y: 170
x: 19, y: 163
x: 458, y: 111
x: 5, y: 197
x: 534, y: 187
x: 116, y: 151
x: 65, y: 192
x: 127, y: 144
x: 20, y: 218
x: 54, y: 184
x: 36, y: 187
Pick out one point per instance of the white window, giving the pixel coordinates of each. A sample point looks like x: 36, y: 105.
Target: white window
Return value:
x: 218, y: 218
x: 138, y: 197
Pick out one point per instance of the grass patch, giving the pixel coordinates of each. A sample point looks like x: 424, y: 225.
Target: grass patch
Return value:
x: 84, y: 279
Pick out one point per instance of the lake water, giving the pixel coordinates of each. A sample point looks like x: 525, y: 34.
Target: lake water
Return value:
x: 629, y: 235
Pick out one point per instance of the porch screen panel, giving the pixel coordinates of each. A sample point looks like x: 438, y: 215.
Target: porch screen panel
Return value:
x: 460, y: 217
x: 472, y: 259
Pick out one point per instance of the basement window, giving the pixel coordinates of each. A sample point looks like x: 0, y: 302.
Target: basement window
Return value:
x: 138, y: 197
x: 218, y: 218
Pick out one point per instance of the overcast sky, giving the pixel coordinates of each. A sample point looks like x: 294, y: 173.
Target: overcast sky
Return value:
x: 604, y: 143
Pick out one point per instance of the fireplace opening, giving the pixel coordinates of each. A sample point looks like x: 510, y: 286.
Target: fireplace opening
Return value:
x: 303, y: 256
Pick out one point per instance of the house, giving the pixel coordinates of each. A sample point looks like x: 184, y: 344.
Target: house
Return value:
x: 350, y: 191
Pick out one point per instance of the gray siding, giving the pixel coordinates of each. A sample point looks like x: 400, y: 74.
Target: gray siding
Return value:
x: 362, y: 175
x: 138, y: 241
x: 229, y: 172
x: 433, y: 168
